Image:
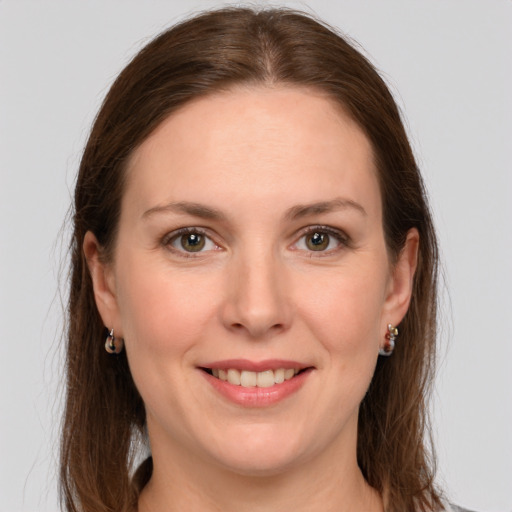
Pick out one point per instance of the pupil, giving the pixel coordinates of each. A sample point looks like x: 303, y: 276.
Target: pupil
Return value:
x: 318, y: 241
x: 192, y: 242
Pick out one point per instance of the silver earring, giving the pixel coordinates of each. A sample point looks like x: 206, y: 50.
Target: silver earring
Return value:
x: 389, y: 345
x: 113, y: 345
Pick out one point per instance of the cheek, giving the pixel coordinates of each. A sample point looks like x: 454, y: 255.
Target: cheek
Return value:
x: 162, y: 310
x: 345, y: 312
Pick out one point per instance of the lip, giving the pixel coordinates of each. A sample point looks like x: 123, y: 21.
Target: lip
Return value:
x: 254, y: 396
x: 255, y: 366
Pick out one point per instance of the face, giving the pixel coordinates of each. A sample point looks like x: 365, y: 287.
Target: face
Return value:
x: 251, y: 248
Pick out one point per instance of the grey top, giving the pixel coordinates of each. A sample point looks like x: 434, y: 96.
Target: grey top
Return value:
x: 455, y: 508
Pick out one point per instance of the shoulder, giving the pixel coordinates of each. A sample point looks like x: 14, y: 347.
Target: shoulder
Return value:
x: 455, y: 508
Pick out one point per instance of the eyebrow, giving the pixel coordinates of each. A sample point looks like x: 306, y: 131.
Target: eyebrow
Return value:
x: 186, y: 207
x: 299, y: 211
x: 294, y: 213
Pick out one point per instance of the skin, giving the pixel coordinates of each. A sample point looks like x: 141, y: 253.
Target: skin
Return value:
x: 256, y: 291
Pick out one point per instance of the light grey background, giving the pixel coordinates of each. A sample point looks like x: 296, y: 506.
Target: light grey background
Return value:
x: 449, y: 64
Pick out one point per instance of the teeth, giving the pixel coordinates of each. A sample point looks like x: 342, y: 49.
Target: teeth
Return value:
x: 279, y: 376
x: 265, y: 379
x: 234, y: 377
x: 289, y: 373
x: 249, y: 379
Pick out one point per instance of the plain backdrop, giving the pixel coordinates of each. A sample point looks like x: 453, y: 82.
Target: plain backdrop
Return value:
x: 449, y: 66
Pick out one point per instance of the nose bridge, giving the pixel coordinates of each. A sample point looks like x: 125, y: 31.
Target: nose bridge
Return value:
x: 257, y: 300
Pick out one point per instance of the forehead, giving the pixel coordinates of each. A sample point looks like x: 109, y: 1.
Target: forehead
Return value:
x: 268, y: 144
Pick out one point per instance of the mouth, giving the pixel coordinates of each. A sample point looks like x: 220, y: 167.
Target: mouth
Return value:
x: 250, y: 379
x: 256, y: 383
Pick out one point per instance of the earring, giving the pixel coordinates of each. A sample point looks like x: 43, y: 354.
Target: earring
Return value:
x: 113, y: 345
x: 389, y: 345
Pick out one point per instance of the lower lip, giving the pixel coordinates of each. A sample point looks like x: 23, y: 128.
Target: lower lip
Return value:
x: 258, y: 397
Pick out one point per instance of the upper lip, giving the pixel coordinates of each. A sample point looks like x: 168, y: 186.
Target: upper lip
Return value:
x: 255, y: 366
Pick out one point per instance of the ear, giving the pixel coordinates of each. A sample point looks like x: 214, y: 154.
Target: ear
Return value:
x: 402, y: 279
x: 103, y: 283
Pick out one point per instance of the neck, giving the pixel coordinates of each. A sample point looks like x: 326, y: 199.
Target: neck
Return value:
x: 186, y: 483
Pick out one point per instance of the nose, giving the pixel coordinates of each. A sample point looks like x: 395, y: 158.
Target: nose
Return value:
x: 257, y: 302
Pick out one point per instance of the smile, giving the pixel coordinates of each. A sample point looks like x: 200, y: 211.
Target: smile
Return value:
x: 256, y: 383
x: 248, y: 379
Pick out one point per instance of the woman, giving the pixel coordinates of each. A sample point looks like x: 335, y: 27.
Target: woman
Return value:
x: 253, y: 241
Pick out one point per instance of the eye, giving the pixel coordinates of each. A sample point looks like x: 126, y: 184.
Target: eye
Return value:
x: 317, y: 241
x: 189, y: 240
x: 321, y: 239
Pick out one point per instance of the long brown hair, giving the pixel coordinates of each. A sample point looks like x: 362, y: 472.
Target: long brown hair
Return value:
x: 104, y: 416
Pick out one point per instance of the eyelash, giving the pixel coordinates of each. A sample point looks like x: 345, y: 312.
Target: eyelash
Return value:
x: 342, y: 239
x: 174, y: 235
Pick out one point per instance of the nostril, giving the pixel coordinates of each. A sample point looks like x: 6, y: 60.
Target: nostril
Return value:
x: 257, y: 331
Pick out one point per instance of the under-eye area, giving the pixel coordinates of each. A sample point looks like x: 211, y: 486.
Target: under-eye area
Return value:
x: 247, y: 379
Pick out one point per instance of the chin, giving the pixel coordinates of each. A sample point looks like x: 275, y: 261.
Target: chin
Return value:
x: 260, y: 455
x: 261, y: 467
